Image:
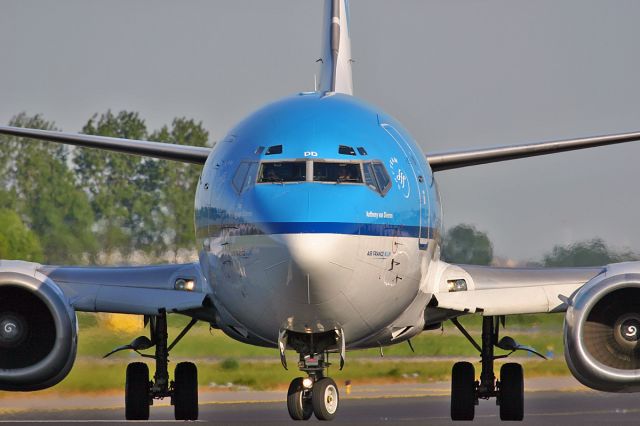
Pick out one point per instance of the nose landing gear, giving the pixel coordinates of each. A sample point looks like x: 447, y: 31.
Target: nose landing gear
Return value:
x: 315, y: 394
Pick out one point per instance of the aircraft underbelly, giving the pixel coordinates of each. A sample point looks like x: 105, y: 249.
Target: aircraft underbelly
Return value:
x: 315, y: 282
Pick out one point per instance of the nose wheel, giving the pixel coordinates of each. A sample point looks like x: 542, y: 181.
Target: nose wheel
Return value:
x: 321, y: 399
x: 299, y: 400
x: 325, y: 399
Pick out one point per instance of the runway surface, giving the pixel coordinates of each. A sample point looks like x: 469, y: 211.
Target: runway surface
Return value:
x: 571, y: 407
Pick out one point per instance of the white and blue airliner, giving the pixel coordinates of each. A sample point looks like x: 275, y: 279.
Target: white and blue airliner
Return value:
x: 318, y: 225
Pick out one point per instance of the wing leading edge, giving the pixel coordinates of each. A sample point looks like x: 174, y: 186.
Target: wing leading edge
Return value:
x: 142, y: 290
x: 166, y: 151
x: 457, y: 159
x: 508, y: 291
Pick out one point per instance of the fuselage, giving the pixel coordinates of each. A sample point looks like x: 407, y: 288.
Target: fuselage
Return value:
x: 318, y: 212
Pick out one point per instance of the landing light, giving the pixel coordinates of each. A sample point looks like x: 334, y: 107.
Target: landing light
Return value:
x: 457, y: 285
x: 307, y: 383
x: 185, y: 285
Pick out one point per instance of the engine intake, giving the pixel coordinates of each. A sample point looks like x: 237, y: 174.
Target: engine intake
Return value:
x: 38, y: 333
x: 602, y: 331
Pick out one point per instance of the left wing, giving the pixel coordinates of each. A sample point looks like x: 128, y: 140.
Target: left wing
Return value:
x: 505, y: 291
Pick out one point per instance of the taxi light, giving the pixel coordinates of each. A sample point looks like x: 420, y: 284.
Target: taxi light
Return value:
x: 183, y: 284
x: 307, y: 383
x: 456, y: 285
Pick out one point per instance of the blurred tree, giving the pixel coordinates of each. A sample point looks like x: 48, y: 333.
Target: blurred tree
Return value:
x: 586, y: 253
x: 179, y: 182
x: 16, y: 240
x: 121, y: 191
x: 44, y: 194
x: 464, y: 244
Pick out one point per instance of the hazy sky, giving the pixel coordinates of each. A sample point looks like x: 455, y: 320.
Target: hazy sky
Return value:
x: 458, y: 74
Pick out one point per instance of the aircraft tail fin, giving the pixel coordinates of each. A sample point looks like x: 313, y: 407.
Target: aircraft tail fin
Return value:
x: 335, y: 62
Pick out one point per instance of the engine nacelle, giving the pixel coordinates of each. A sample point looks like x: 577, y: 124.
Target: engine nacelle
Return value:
x: 602, y: 330
x: 38, y: 332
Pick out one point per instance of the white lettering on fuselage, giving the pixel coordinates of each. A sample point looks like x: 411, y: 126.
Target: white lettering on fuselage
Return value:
x: 379, y: 215
x: 310, y: 154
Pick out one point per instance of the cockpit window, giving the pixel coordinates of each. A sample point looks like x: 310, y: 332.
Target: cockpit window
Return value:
x: 239, y: 177
x: 369, y: 177
x: 337, y: 172
x: 346, y: 150
x: 284, y: 171
x: 373, y: 174
x: 376, y: 177
x: 384, y: 181
x: 274, y: 149
x: 245, y: 175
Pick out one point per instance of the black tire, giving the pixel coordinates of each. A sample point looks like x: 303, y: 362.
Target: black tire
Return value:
x: 298, y: 404
x: 511, y: 392
x: 463, y: 391
x: 185, y: 391
x: 325, y: 399
x: 136, y: 392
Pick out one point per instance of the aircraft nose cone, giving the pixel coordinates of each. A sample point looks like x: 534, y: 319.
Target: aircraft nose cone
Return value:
x: 318, y: 267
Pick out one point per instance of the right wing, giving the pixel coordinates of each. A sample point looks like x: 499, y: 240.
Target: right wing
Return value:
x: 457, y: 159
x: 142, y: 290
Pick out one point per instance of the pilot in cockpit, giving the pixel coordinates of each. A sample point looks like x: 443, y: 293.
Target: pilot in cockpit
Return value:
x: 344, y: 174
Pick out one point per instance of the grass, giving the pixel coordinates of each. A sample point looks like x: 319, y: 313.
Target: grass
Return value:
x: 222, y: 360
x: 544, y: 332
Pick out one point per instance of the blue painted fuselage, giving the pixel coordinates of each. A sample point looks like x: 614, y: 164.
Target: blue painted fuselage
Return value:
x: 311, y: 256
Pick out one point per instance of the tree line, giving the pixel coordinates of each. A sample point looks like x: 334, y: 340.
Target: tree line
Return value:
x: 466, y: 245
x: 61, y: 205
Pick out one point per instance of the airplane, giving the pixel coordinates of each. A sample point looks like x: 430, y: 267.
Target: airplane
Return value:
x: 318, y: 226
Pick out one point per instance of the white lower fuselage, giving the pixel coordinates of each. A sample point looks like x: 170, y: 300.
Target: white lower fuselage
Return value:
x: 367, y: 286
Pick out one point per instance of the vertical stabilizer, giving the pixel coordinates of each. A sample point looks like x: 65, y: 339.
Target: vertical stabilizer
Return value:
x: 335, y: 68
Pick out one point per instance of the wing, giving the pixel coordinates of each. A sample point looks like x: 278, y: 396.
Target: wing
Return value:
x: 506, y: 291
x: 457, y: 159
x: 167, y: 151
x: 143, y: 290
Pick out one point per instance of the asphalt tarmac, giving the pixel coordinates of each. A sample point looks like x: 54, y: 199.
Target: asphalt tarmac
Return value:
x: 383, y: 405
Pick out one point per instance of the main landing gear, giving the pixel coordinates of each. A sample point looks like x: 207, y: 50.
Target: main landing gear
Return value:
x: 466, y: 391
x: 140, y: 391
x: 315, y: 394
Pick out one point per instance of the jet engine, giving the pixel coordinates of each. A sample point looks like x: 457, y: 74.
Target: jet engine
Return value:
x: 602, y: 330
x: 38, y: 333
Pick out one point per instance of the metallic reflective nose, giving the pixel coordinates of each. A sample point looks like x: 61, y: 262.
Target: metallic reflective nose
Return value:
x: 316, y: 273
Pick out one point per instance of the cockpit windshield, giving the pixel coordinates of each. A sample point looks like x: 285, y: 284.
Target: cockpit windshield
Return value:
x: 283, y: 171
x: 337, y: 172
x: 373, y: 174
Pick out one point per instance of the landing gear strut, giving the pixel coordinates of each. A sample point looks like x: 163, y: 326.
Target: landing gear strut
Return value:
x: 508, y: 391
x: 140, y: 391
